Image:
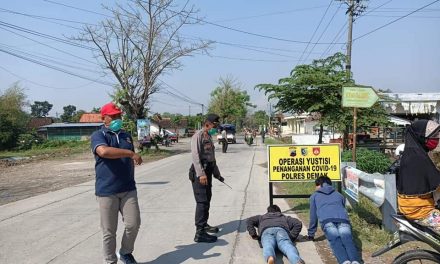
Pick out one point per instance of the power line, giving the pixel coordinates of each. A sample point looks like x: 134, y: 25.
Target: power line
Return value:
x: 49, y: 46
x: 46, y: 36
x: 271, y: 14
x: 184, y: 95
x: 335, y: 39
x: 43, y: 85
x: 54, y: 67
x: 248, y: 59
x: 314, y: 32
x: 395, y: 20
x: 322, y: 33
x: 206, y: 22
x: 49, y: 60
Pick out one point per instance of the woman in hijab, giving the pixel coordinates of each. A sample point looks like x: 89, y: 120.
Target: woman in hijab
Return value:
x: 418, y: 177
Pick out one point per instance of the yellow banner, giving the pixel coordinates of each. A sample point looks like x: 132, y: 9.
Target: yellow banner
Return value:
x: 303, y: 163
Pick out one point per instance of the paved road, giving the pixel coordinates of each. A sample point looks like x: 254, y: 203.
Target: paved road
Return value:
x: 63, y: 226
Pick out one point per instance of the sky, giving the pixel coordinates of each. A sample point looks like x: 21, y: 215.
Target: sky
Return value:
x: 256, y: 41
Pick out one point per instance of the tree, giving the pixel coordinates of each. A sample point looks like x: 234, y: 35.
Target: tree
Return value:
x: 317, y: 88
x: 140, y: 43
x: 69, y: 112
x: 13, y: 118
x: 96, y: 110
x: 261, y: 118
x: 77, y: 116
x: 229, y: 101
x: 40, y: 108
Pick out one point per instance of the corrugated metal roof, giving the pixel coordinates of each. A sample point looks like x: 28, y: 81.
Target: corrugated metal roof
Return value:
x: 57, y: 125
x: 414, y: 97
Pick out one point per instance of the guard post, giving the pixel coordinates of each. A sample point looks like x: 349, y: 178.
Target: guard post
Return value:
x: 302, y: 163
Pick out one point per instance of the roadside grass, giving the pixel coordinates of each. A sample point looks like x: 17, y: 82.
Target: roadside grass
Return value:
x: 53, y: 148
x: 365, y: 218
x: 56, y: 148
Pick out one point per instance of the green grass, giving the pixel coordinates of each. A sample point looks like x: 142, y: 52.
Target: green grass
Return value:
x: 365, y: 218
x: 51, y: 148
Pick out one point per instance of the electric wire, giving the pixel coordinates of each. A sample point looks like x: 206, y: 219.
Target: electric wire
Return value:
x: 395, y: 20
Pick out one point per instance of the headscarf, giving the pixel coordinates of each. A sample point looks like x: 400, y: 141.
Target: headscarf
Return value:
x: 418, y: 174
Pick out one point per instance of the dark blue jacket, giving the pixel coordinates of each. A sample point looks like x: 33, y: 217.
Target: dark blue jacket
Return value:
x: 326, y: 205
x: 113, y: 175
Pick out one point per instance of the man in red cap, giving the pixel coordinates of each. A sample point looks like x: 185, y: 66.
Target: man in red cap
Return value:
x: 115, y: 187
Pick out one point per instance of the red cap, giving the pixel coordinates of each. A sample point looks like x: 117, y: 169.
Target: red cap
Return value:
x: 110, y: 109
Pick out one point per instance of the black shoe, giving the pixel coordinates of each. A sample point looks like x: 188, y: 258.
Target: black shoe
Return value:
x: 127, y: 258
x: 211, y: 229
x: 202, y: 236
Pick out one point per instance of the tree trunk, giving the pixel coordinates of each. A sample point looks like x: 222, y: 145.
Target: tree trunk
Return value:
x: 345, y: 145
x: 321, y: 130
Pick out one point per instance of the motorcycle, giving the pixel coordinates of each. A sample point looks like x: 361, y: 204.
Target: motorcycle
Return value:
x: 411, y: 231
x: 408, y: 230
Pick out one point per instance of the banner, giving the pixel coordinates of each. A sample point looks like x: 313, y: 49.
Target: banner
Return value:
x: 143, y: 128
x: 303, y: 163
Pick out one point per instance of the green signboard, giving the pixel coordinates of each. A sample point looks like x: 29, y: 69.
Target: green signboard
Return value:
x: 361, y: 97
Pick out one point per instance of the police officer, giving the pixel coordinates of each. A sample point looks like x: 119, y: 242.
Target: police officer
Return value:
x: 202, y: 170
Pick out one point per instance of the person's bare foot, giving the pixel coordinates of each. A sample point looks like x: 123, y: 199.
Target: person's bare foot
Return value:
x: 270, y: 260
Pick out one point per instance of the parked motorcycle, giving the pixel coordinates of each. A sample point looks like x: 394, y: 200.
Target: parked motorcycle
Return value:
x: 411, y: 231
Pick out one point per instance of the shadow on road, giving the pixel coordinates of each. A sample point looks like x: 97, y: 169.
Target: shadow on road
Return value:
x: 154, y: 183
x: 198, y: 250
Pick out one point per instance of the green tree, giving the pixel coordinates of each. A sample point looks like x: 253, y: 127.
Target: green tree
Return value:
x: 139, y: 42
x: 77, y: 116
x: 40, y: 108
x: 261, y: 118
x: 96, y: 110
x: 13, y: 118
x: 317, y: 88
x: 229, y: 101
x: 69, y: 112
x: 175, y: 121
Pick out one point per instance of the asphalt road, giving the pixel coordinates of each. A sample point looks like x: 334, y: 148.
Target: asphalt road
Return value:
x: 63, y: 226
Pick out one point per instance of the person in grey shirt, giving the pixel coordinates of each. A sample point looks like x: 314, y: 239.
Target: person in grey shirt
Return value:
x: 202, y: 170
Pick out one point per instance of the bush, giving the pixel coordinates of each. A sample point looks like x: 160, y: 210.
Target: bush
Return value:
x: 370, y: 161
x: 27, y: 141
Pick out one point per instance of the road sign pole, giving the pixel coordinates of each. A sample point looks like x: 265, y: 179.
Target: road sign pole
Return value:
x: 353, y: 151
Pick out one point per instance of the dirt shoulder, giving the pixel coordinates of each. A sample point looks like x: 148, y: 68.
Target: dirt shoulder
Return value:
x: 36, y: 176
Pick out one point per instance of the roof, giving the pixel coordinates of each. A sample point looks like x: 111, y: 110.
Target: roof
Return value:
x: 90, y: 118
x: 414, y: 97
x: 36, y: 122
x: 59, y: 125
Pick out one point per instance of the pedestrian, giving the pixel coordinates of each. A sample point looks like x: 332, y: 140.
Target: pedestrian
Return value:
x: 224, y: 141
x: 328, y: 207
x: 263, y: 134
x: 201, y: 172
x: 276, y: 231
x: 115, y: 187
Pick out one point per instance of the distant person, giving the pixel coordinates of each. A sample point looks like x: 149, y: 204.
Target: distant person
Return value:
x: 202, y: 170
x: 418, y: 177
x: 224, y: 141
x: 328, y: 207
x: 263, y: 135
x: 275, y: 230
x: 115, y: 187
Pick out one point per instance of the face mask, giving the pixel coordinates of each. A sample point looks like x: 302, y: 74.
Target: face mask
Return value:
x: 212, y: 131
x: 115, y: 125
x: 432, y: 143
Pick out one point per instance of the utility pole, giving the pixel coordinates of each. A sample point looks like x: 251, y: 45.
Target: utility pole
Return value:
x: 189, y: 110
x: 203, y: 109
x: 355, y: 8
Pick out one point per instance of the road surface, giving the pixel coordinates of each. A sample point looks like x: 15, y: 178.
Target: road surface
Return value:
x: 63, y: 226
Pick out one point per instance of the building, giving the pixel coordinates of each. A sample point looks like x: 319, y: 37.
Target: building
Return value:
x: 413, y: 106
x: 69, y: 131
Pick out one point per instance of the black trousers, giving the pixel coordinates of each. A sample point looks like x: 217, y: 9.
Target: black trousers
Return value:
x: 202, y: 195
x: 224, y: 145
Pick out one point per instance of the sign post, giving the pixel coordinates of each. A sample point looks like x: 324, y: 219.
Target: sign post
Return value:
x: 358, y: 97
x: 302, y: 163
